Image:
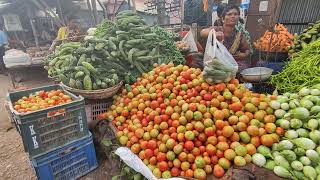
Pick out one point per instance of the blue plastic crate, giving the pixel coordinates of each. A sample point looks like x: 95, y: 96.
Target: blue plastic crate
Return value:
x: 69, y: 162
x: 42, y: 132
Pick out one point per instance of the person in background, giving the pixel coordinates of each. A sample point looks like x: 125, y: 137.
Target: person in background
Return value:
x: 45, y: 35
x: 233, y: 39
x: 70, y: 33
x: 3, y: 44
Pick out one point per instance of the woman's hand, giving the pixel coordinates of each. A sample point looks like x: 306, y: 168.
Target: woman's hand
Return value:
x: 240, y: 56
x: 220, y: 35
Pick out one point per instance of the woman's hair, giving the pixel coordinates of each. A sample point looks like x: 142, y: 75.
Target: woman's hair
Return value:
x: 228, y: 8
x: 220, y: 9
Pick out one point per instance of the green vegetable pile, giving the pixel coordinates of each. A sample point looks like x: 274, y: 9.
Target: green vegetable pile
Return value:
x: 302, y: 71
x: 119, y: 51
x: 308, y: 35
x: 297, y: 155
x: 105, y: 29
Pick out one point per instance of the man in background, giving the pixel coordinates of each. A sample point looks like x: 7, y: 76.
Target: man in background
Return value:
x: 3, y: 43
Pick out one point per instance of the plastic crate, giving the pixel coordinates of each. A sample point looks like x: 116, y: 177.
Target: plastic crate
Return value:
x: 42, y: 132
x: 96, y: 107
x: 68, y: 162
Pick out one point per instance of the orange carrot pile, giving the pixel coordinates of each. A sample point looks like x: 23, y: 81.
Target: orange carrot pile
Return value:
x: 277, y: 41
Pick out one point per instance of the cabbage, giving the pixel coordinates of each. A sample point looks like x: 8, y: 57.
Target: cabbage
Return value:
x: 305, y: 160
x: 291, y: 134
x: 315, y: 110
x: 302, y: 132
x: 285, y: 106
x: 313, y: 124
x: 275, y: 104
x: 294, y: 96
x: 300, y: 113
x: 315, y: 92
x: 282, y: 172
x: 306, y: 103
x: 282, y: 99
x: 290, y: 155
x: 298, y: 174
x: 295, y: 123
x: 318, y: 169
x: 281, y: 161
x: 299, y: 151
x: 265, y: 151
x: 287, y: 94
x: 315, y: 136
x: 310, y: 172
x: 259, y: 159
x: 270, y: 164
x: 279, y: 113
x: 304, y: 143
x: 318, y: 149
x: 285, y: 124
x: 313, y: 155
x: 297, y: 165
x: 304, y: 92
x: 294, y: 104
x: 285, y: 144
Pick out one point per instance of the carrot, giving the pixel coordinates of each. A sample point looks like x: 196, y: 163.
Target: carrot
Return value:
x: 277, y: 41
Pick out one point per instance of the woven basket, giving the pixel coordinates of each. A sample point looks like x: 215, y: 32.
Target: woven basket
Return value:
x: 95, y: 94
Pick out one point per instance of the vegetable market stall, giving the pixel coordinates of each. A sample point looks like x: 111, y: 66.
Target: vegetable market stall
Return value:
x: 17, y: 62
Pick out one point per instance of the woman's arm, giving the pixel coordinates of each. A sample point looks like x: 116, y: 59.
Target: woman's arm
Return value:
x: 244, y: 50
x: 219, y: 32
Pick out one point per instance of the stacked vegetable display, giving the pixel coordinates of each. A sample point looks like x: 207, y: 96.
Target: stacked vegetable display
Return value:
x: 308, y: 35
x: 302, y: 71
x: 279, y: 40
x: 114, y: 52
x: 297, y: 155
x: 181, y: 126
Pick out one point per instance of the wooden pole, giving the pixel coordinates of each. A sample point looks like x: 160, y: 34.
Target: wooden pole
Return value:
x: 60, y: 11
x: 94, y: 10
x: 34, y: 30
x: 134, y: 6
x: 90, y: 10
x: 181, y: 14
x: 194, y: 30
x: 105, y: 13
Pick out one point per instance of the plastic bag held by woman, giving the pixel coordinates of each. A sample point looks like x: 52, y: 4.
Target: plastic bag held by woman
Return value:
x: 219, y: 64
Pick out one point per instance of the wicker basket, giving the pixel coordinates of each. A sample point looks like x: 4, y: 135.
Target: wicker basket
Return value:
x: 95, y: 94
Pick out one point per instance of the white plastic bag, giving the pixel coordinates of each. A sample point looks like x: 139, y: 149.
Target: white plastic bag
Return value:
x: 136, y: 163
x: 189, y: 39
x: 14, y: 57
x: 219, y: 64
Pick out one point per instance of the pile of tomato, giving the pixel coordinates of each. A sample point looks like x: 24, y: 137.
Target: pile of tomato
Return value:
x: 41, y: 100
x: 179, y: 125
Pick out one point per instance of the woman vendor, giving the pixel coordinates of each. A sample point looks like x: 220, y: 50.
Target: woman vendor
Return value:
x: 233, y: 37
x: 70, y: 33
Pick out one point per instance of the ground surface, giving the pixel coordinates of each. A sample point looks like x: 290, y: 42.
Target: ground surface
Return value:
x: 14, y: 162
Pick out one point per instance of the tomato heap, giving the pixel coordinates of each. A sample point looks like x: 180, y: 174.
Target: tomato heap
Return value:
x: 179, y: 125
x: 41, y: 100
